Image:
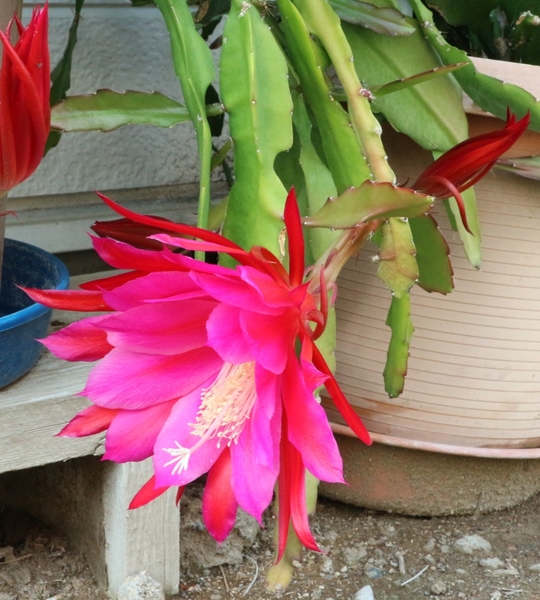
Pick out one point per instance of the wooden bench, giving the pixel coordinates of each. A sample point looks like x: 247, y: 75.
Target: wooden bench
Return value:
x: 62, y: 480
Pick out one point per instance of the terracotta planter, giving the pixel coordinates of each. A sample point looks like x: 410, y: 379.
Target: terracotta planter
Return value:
x: 474, y: 370
x: 426, y: 479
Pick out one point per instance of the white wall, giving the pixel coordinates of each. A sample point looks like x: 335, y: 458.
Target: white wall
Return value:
x: 120, y: 47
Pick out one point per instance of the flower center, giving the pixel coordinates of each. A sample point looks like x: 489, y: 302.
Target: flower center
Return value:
x: 225, y: 407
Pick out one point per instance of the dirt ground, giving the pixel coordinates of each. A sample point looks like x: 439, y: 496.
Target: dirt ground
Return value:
x: 362, y: 547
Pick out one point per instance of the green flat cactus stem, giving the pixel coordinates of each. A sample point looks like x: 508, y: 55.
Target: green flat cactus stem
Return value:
x: 194, y: 68
x: 399, y: 321
x: 323, y: 22
x: 491, y: 94
x: 397, y: 263
x: 256, y: 95
x: 341, y: 149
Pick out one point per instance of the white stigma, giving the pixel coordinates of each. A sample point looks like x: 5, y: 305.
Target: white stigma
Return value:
x: 225, y: 407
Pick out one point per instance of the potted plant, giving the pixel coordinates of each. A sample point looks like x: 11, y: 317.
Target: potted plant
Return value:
x: 213, y: 368
x: 24, y: 127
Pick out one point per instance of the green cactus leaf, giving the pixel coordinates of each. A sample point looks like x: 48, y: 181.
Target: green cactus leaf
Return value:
x: 526, y: 166
x: 386, y: 21
x: 491, y: 94
x: 318, y: 181
x: 430, y: 113
x: 372, y: 200
x: 255, y: 92
x: 405, y: 82
x: 432, y: 256
x: 397, y: 263
x: 400, y: 322
x: 341, y: 149
x: 107, y: 110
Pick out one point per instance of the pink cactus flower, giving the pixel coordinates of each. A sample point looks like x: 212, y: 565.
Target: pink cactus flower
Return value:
x: 209, y: 369
x: 24, y: 100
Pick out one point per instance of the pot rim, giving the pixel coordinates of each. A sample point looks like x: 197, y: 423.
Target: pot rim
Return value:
x: 389, y: 440
x: 35, y: 310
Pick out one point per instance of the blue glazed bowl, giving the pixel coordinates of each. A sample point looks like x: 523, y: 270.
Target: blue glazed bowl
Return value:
x: 22, y: 321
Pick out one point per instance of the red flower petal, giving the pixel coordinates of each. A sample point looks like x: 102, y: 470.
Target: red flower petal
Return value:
x: 89, y: 421
x: 147, y: 493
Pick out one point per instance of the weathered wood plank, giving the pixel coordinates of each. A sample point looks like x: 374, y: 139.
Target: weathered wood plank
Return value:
x: 145, y: 539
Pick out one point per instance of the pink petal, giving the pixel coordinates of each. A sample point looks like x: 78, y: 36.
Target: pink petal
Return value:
x: 178, y: 431
x: 253, y: 482
x: 132, y: 380
x: 262, y: 423
x: 231, y: 290
x: 299, y: 516
x: 159, y: 286
x: 271, y: 337
x: 308, y: 427
x: 80, y: 341
x: 169, y: 327
x: 272, y: 294
x: 132, y: 434
x: 225, y: 335
x: 89, y: 421
x: 219, y: 505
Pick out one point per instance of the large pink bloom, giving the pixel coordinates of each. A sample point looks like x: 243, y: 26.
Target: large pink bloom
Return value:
x: 209, y: 369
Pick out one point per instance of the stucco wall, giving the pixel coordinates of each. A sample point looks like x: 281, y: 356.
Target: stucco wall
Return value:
x: 149, y: 169
x: 119, y: 47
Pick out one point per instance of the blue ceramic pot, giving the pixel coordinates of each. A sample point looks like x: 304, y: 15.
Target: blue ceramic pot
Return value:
x: 22, y: 321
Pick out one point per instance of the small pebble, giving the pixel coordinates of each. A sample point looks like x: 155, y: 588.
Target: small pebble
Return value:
x: 438, y: 588
x: 366, y: 593
x: 327, y: 566
x: 352, y: 556
x: 140, y: 587
x: 373, y: 572
x: 430, y: 546
x: 491, y: 563
x: 471, y: 543
x: 535, y: 567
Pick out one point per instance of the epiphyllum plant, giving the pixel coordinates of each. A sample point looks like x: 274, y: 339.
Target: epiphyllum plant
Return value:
x: 257, y: 323
x: 209, y: 369
x: 24, y: 103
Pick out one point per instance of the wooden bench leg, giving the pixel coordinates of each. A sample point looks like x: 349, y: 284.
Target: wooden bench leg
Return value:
x: 144, y: 539
x: 88, y: 500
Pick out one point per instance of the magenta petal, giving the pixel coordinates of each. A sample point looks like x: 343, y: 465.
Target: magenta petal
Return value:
x: 272, y: 294
x: 178, y: 431
x: 253, y: 482
x: 169, y: 327
x: 226, y: 337
x: 219, y: 505
x: 164, y: 285
x: 132, y: 434
x: 132, y: 380
x: 261, y: 423
x: 271, y: 337
x: 232, y: 290
x: 308, y: 426
x: 80, y: 341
